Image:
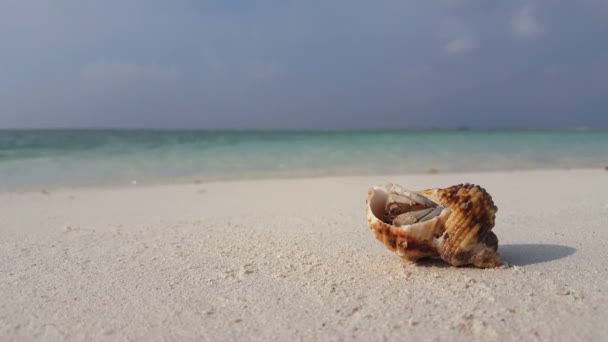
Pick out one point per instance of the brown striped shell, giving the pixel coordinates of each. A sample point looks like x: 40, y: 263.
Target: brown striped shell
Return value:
x: 454, y: 223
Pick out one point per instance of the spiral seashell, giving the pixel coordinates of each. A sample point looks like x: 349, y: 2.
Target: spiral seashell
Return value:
x: 454, y: 223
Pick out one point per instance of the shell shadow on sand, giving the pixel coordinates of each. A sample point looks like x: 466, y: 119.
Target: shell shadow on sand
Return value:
x: 533, y: 253
x: 516, y: 255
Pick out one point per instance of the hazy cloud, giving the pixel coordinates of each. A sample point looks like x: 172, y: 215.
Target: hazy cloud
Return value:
x: 265, y: 71
x: 524, y: 23
x: 104, y: 74
x: 306, y: 64
x: 461, y: 45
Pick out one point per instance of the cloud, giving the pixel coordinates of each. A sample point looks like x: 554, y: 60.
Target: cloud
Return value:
x: 524, y: 23
x: 105, y: 74
x: 460, y: 46
x: 265, y: 71
x: 307, y: 64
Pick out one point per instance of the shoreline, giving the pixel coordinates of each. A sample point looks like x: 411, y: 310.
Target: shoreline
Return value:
x: 197, y: 180
x: 63, y: 159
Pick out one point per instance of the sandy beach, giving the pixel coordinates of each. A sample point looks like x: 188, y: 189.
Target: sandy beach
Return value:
x: 293, y: 259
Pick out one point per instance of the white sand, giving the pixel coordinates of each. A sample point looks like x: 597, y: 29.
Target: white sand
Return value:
x: 285, y: 259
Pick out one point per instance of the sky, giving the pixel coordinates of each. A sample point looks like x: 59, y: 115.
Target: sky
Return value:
x: 316, y: 64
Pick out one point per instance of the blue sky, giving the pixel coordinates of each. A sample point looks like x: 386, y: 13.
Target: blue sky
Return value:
x: 342, y: 64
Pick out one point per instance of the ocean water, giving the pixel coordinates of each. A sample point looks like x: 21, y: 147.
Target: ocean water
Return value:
x: 85, y: 157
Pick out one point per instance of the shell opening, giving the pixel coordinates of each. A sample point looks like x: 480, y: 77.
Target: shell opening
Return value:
x: 377, y: 202
x: 399, y: 207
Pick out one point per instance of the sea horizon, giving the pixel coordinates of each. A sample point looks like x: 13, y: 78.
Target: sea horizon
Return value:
x: 68, y: 157
x: 312, y: 130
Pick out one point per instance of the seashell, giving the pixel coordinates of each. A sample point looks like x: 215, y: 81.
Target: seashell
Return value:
x: 454, y: 223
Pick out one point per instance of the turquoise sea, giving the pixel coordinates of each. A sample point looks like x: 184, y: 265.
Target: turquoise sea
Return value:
x: 32, y: 158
